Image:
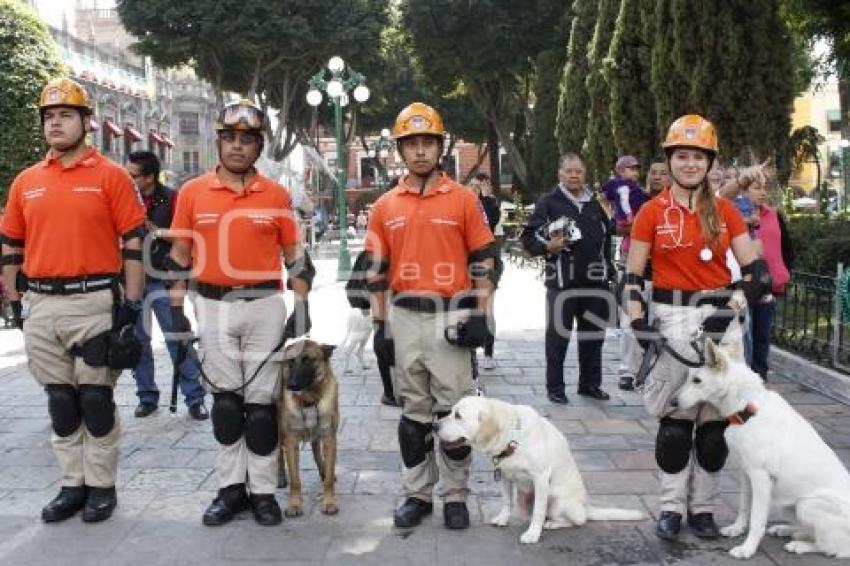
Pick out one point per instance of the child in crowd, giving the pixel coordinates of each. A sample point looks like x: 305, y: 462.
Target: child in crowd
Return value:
x: 625, y: 195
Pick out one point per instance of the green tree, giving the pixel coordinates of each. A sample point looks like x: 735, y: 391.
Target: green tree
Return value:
x: 628, y: 69
x: 484, y: 48
x: 261, y: 49
x: 573, y: 103
x: 28, y: 59
x: 732, y: 62
x: 544, y: 149
x: 599, y: 150
x: 804, y: 147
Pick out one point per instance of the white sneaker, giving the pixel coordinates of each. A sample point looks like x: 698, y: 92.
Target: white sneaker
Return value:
x: 488, y: 363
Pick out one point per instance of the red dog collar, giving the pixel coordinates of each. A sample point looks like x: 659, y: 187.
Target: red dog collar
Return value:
x: 743, y: 415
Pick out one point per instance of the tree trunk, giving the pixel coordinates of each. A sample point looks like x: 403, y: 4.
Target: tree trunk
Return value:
x: 493, y: 153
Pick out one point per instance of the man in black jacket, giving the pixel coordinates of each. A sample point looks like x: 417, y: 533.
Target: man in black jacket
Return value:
x: 570, y: 228
x: 144, y: 167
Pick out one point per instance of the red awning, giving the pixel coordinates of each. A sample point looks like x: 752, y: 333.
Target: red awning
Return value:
x: 112, y: 128
x: 132, y: 133
x: 156, y: 137
x: 95, y: 125
x: 166, y: 140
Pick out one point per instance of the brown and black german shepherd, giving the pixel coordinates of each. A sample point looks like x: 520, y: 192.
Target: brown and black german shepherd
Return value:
x: 308, y: 411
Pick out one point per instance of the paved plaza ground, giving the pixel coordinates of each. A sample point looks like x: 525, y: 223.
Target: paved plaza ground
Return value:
x: 166, y: 476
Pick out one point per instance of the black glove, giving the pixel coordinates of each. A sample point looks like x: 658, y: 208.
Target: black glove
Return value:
x: 383, y: 344
x: 17, y: 314
x: 718, y: 322
x: 179, y: 323
x: 126, y: 314
x: 645, y: 333
x: 298, y: 322
x: 471, y: 333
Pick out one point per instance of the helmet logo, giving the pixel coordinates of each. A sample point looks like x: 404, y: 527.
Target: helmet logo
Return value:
x: 419, y: 123
x: 54, y: 95
x: 690, y: 133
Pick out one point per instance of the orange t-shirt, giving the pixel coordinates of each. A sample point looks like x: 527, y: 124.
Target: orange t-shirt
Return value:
x: 71, y: 218
x: 236, y: 237
x: 676, y: 238
x: 427, y: 239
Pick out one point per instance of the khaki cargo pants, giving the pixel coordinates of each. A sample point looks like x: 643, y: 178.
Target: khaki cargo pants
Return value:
x: 235, y: 337
x: 431, y: 376
x: 56, y: 324
x: 693, y: 489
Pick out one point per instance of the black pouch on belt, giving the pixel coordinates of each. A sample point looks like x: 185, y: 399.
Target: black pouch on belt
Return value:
x: 125, y: 350
x: 95, y: 350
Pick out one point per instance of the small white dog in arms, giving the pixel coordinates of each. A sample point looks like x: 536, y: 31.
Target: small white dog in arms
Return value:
x: 783, y: 461
x: 535, y: 463
x: 357, y: 333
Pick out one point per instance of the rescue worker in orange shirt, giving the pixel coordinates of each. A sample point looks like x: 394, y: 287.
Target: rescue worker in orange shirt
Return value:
x: 230, y: 227
x: 431, y: 278
x: 66, y: 217
x: 687, y: 232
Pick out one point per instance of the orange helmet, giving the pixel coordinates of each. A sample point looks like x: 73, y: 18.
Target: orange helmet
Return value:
x: 418, y: 119
x: 692, y: 130
x: 64, y: 92
x: 241, y: 115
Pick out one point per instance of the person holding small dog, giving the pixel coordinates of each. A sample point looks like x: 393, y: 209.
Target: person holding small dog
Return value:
x: 570, y: 228
x: 230, y: 228
x: 687, y: 230
x: 431, y: 278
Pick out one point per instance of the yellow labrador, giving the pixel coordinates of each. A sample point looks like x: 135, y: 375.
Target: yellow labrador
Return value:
x: 535, y: 462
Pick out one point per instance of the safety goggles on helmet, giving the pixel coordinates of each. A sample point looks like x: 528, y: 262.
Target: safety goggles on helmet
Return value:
x: 63, y: 92
x: 418, y: 119
x: 691, y: 130
x: 242, y: 115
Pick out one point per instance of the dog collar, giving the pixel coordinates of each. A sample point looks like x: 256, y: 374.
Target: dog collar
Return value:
x: 508, y: 451
x: 299, y: 400
x: 743, y: 415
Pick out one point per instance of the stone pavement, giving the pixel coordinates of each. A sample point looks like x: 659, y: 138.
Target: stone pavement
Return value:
x: 166, y: 472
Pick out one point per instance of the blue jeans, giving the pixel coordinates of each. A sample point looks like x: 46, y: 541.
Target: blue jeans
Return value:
x: 762, y: 315
x: 190, y: 372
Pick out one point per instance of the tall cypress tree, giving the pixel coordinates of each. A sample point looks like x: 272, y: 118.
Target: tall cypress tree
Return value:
x: 573, y: 103
x: 544, y: 149
x: 627, y: 71
x: 599, y: 150
x: 669, y: 86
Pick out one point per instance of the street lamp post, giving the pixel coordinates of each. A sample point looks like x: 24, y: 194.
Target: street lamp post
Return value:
x: 844, y: 144
x: 379, y: 150
x: 341, y: 82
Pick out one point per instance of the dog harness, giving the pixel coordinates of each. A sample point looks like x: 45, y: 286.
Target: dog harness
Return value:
x: 743, y: 415
x: 308, y: 421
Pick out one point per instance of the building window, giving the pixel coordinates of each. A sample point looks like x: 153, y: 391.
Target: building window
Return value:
x: 833, y: 120
x: 187, y: 162
x: 368, y: 172
x: 506, y: 170
x: 106, y: 140
x: 189, y: 123
x: 196, y: 165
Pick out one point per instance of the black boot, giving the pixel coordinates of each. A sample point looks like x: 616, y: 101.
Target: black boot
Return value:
x: 230, y: 500
x: 266, y: 510
x: 100, y: 504
x: 703, y: 525
x: 456, y: 515
x: 411, y: 512
x: 65, y: 505
x: 669, y: 525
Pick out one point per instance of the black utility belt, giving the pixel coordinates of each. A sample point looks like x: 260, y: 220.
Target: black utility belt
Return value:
x: 238, y: 293
x: 435, y: 303
x: 675, y: 297
x: 72, y: 285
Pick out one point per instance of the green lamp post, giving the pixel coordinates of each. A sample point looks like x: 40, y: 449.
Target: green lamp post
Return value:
x: 379, y: 150
x: 342, y: 81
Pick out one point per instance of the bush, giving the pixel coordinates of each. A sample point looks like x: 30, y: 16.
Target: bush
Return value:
x: 820, y: 243
x: 28, y: 58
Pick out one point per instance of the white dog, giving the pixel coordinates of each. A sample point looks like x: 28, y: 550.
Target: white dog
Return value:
x: 357, y: 333
x: 782, y: 458
x: 534, y: 459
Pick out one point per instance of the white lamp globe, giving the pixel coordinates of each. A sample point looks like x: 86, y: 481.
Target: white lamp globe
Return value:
x: 361, y: 93
x: 334, y: 88
x: 385, y: 133
x: 336, y: 64
x: 314, y: 97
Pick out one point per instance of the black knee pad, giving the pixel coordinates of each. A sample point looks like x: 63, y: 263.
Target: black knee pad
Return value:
x: 711, y: 446
x: 260, y: 428
x: 673, y: 444
x: 457, y: 453
x: 228, y: 417
x: 97, y: 408
x: 415, y: 440
x: 63, y: 405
